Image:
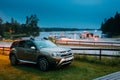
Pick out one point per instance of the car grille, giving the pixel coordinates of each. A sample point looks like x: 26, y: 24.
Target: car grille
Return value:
x: 66, y: 53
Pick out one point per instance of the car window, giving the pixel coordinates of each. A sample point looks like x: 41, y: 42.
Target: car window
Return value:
x: 21, y: 44
x: 14, y: 44
x: 29, y: 44
x: 45, y: 44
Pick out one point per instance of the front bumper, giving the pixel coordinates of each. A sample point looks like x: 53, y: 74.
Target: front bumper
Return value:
x: 65, y: 61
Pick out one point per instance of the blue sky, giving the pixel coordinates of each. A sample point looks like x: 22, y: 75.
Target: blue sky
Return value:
x: 60, y: 13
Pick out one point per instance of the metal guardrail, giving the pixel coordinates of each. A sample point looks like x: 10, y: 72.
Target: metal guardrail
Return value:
x: 100, y: 52
x: 3, y: 49
x: 86, y: 42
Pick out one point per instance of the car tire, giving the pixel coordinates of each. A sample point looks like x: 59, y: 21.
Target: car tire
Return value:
x: 13, y: 60
x: 43, y: 64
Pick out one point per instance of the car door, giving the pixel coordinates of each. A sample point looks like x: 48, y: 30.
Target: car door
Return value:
x: 21, y: 50
x: 30, y: 54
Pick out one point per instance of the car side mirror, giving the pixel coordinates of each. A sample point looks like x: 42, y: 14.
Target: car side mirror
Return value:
x: 32, y: 47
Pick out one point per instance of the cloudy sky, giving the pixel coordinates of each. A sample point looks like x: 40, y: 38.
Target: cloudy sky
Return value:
x: 60, y: 13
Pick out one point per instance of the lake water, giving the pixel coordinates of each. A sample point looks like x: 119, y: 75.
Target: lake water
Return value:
x: 75, y: 34
x: 70, y: 34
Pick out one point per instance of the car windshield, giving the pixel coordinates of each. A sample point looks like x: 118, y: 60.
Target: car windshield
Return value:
x: 45, y: 44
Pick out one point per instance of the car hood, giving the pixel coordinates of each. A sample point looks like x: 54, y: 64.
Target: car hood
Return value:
x: 54, y: 49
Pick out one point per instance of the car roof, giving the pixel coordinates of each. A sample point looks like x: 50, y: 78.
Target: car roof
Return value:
x: 29, y: 38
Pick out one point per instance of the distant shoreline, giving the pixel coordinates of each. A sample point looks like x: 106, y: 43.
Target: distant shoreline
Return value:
x: 63, y: 29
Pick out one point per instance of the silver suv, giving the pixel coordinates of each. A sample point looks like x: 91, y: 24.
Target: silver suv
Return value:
x: 42, y: 52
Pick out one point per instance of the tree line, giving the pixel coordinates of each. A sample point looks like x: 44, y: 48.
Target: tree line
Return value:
x: 58, y: 29
x: 13, y: 27
x: 111, y: 25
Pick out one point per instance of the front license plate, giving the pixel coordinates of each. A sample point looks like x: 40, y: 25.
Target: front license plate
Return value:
x: 67, y: 59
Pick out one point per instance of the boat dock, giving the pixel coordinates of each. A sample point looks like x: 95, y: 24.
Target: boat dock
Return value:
x: 112, y: 76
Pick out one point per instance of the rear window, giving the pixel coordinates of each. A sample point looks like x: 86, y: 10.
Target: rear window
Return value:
x: 14, y: 44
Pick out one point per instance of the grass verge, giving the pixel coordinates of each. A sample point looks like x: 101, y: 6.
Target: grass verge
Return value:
x: 78, y: 70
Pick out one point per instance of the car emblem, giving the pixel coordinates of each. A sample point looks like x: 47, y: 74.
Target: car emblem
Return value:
x: 66, y: 52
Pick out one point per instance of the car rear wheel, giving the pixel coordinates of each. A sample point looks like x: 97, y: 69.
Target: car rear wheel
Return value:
x: 13, y: 60
x: 43, y: 64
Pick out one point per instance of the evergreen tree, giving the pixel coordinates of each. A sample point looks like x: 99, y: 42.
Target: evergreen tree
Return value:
x: 1, y: 28
x: 111, y: 25
x: 13, y: 27
x: 1, y: 20
x: 32, y: 25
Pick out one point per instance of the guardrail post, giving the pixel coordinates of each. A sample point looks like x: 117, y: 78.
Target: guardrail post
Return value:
x: 100, y: 54
x: 79, y: 42
x: 94, y: 43
x: 3, y: 51
x: 112, y: 44
x: 66, y: 42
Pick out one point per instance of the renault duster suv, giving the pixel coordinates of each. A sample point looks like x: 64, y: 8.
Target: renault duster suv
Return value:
x: 41, y: 52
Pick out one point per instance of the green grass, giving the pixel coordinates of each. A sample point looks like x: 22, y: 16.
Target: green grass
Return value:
x: 108, y: 61
x: 78, y: 70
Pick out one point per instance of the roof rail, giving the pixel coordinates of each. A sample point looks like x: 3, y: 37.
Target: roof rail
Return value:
x: 32, y: 38
x: 45, y: 38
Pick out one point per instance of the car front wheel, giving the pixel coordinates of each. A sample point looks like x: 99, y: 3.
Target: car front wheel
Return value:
x: 43, y: 64
x: 13, y: 60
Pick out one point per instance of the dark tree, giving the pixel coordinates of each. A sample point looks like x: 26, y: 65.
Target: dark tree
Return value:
x: 32, y: 21
x: 1, y: 20
x: 14, y: 28
x: 32, y: 25
x: 111, y: 25
x: 1, y: 28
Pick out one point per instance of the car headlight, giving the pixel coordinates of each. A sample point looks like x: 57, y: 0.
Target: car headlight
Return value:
x: 56, y: 54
